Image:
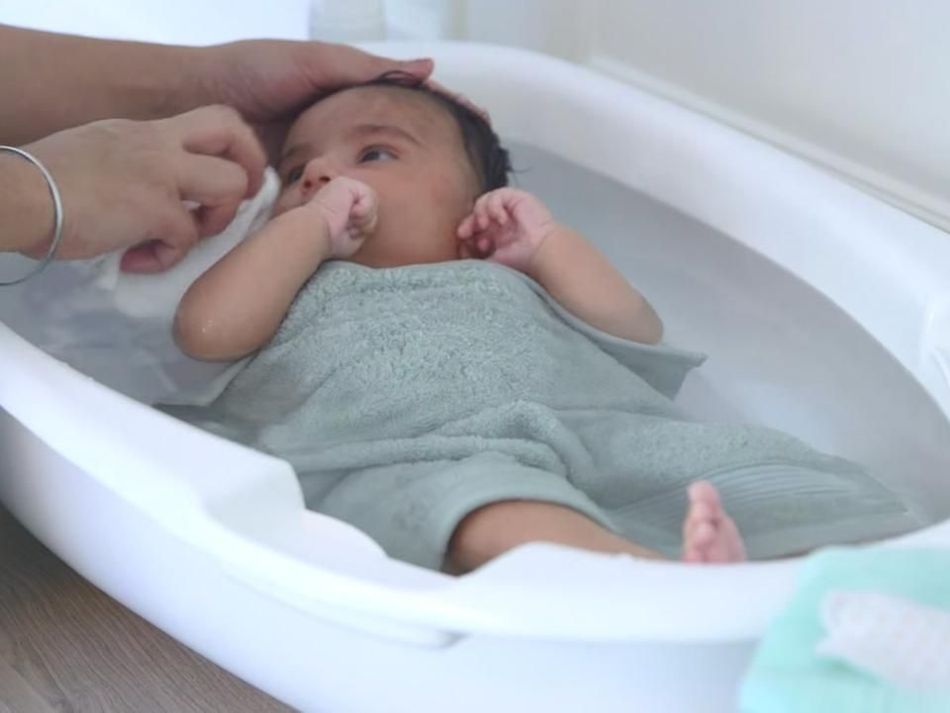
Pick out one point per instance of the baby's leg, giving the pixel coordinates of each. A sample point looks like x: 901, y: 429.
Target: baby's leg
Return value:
x: 709, y: 534
x: 496, y: 528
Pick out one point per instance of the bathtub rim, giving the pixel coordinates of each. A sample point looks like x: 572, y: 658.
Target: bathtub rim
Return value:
x: 460, y: 607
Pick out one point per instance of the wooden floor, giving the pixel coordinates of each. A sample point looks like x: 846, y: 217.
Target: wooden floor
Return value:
x: 65, y: 647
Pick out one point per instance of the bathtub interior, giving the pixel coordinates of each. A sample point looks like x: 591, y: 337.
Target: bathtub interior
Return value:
x: 788, y: 345
x: 781, y: 353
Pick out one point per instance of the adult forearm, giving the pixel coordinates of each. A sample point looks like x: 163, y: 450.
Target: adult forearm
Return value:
x: 584, y: 282
x: 26, y: 208
x: 102, y: 79
x: 236, y: 306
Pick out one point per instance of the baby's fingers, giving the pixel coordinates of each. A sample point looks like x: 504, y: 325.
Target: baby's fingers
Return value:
x: 465, y: 252
x: 483, y: 213
x: 467, y: 227
x: 484, y: 246
x: 496, y: 207
x: 361, y: 206
x: 365, y: 224
x: 364, y: 201
x: 473, y: 242
x: 482, y: 218
x: 363, y: 214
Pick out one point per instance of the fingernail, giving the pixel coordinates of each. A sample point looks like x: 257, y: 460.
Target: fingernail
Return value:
x: 424, y: 64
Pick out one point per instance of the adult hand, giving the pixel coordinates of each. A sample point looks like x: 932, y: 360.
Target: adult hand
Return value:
x: 123, y: 182
x: 270, y: 81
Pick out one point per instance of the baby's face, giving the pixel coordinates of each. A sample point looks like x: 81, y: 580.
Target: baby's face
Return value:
x: 405, y: 147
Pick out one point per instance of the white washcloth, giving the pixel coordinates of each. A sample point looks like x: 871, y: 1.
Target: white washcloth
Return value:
x: 158, y: 295
x: 117, y: 327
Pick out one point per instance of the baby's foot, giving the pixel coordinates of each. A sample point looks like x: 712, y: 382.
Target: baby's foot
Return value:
x: 709, y: 534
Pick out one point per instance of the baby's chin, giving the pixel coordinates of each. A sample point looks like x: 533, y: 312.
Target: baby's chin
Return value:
x: 379, y: 251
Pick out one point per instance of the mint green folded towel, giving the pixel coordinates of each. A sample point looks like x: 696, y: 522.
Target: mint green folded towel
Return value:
x: 867, y: 631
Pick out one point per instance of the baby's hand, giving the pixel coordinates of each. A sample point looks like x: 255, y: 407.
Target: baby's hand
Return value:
x: 506, y: 226
x: 349, y: 209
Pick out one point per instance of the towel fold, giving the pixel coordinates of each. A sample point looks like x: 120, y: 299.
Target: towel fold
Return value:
x: 407, y: 397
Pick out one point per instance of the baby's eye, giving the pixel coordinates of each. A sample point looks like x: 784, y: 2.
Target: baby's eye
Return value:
x: 293, y: 175
x: 377, y: 153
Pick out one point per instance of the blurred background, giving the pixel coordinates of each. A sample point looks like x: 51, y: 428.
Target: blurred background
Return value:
x: 861, y: 87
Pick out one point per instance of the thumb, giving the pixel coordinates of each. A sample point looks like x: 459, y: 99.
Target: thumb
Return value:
x: 150, y: 257
x: 374, y: 65
x: 179, y: 233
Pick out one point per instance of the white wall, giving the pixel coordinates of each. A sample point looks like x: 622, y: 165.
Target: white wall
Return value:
x: 192, y: 22
x: 558, y: 27
x: 860, y: 86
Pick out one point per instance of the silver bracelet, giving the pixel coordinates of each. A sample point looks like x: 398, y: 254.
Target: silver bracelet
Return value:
x: 58, y: 216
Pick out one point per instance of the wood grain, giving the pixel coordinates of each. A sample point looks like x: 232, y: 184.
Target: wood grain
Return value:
x: 66, y: 647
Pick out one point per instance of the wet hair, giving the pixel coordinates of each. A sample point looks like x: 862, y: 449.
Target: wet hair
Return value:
x: 482, y: 145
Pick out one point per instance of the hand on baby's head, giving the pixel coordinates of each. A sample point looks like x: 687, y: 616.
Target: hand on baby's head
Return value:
x: 349, y: 209
x: 506, y: 226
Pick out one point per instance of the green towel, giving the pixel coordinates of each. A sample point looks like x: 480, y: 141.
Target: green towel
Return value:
x: 788, y: 675
x: 407, y: 397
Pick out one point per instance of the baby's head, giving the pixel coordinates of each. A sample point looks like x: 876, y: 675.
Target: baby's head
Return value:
x: 427, y: 156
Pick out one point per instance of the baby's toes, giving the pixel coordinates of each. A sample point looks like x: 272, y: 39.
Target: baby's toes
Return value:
x: 698, y: 514
x: 716, y: 541
x: 732, y: 546
x: 697, y: 543
x: 704, y: 491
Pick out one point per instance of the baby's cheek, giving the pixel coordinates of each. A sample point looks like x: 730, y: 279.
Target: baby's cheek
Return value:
x: 453, y: 194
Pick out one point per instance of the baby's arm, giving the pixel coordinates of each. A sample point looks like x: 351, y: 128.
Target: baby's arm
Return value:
x: 515, y: 229
x: 583, y: 281
x: 235, y: 307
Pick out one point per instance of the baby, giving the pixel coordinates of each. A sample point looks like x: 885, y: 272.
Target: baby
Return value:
x: 396, y: 177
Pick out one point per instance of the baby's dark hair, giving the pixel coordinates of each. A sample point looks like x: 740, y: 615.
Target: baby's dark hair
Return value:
x: 485, y: 152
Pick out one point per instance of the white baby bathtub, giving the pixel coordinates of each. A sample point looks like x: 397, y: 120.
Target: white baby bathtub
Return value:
x: 825, y: 311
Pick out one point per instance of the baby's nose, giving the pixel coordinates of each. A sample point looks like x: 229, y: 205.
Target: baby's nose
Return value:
x: 316, y: 174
